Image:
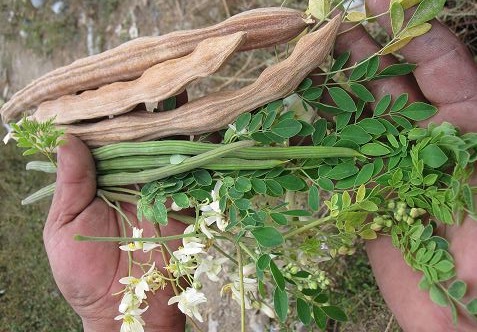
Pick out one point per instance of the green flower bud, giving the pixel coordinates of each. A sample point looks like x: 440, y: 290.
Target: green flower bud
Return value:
x: 351, y: 251
x: 413, y: 213
x: 388, y: 223
x: 197, y: 285
x: 378, y: 220
x: 375, y: 227
x: 401, y: 211
x: 410, y: 221
x: 391, y: 205
x: 313, y: 285
x: 397, y: 216
x: 342, y: 250
x: 401, y: 205
x: 294, y: 270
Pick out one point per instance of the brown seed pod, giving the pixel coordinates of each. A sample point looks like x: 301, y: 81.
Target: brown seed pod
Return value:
x: 215, y: 111
x: 155, y: 84
x: 264, y: 27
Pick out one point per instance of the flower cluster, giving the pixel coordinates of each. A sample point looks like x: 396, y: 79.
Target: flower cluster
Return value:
x: 134, y: 295
x: 135, y: 289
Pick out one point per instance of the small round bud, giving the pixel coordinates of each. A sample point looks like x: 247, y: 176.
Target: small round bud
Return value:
x: 294, y: 270
x: 342, y: 250
x: 197, y: 285
x: 413, y: 213
x: 391, y: 205
x: 401, y: 205
x: 376, y: 227
x: 351, y: 251
x: 388, y: 223
x: 378, y: 220
x: 410, y: 221
x: 313, y: 285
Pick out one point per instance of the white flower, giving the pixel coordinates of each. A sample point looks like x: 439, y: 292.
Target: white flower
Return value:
x: 129, y: 302
x: 211, y: 212
x: 140, y: 286
x: 188, y: 301
x: 190, y: 230
x: 9, y: 129
x: 249, y: 285
x: 203, y: 227
x: 132, y: 321
x: 185, y: 253
x: 211, y: 267
x: 137, y: 245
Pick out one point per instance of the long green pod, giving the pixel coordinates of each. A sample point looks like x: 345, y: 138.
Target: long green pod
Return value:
x: 146, y: 162
x: 163, y: 172
x: 131, y: 163
x: 41, y: 166
x: 40, y: 194
x: 151, y: 148
x: 193, y: 148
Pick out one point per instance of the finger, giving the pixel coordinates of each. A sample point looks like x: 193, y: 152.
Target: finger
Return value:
x: 399, y: 287
x: 75, y: 181
x: 446, y: 72
x: 361, y: 46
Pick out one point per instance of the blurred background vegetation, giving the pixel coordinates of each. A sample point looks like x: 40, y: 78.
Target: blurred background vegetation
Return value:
x: 39, y: 35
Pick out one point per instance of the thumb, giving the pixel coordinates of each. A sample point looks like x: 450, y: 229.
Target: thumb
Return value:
x: 75, y: 181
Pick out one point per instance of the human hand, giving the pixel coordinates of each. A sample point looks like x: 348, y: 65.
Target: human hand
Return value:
x: 87, y: 273
x: 446, y: 76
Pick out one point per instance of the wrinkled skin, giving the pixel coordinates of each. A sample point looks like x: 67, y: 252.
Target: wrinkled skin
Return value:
x: 446, y: 76
x: 87, y: 272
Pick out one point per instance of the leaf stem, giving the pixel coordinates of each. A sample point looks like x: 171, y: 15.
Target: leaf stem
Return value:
x: 241, y: 287
x: 306, y: 227
x: 163, y: 239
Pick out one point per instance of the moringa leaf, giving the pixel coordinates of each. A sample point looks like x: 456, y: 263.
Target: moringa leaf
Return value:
x: 342, y: 99
x: 397, y: 17
x: 457, y: 289
x: 426, y: 11
x: 419, y: 111
x: 267, y: 237
x: 280, y: 303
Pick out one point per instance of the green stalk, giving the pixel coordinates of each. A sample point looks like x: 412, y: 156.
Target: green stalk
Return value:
x: 163, y: 239
x: 117, y: 197
x: 166, y: 171
x: 306, y: 227
x: 241, y: 287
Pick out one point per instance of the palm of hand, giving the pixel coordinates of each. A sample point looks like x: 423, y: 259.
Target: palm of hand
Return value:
x: 87, y: 273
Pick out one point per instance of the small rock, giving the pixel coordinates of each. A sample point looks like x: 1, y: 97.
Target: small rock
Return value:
x: 133, y: 31
x: 58, y: 7
x: 37, y: 3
